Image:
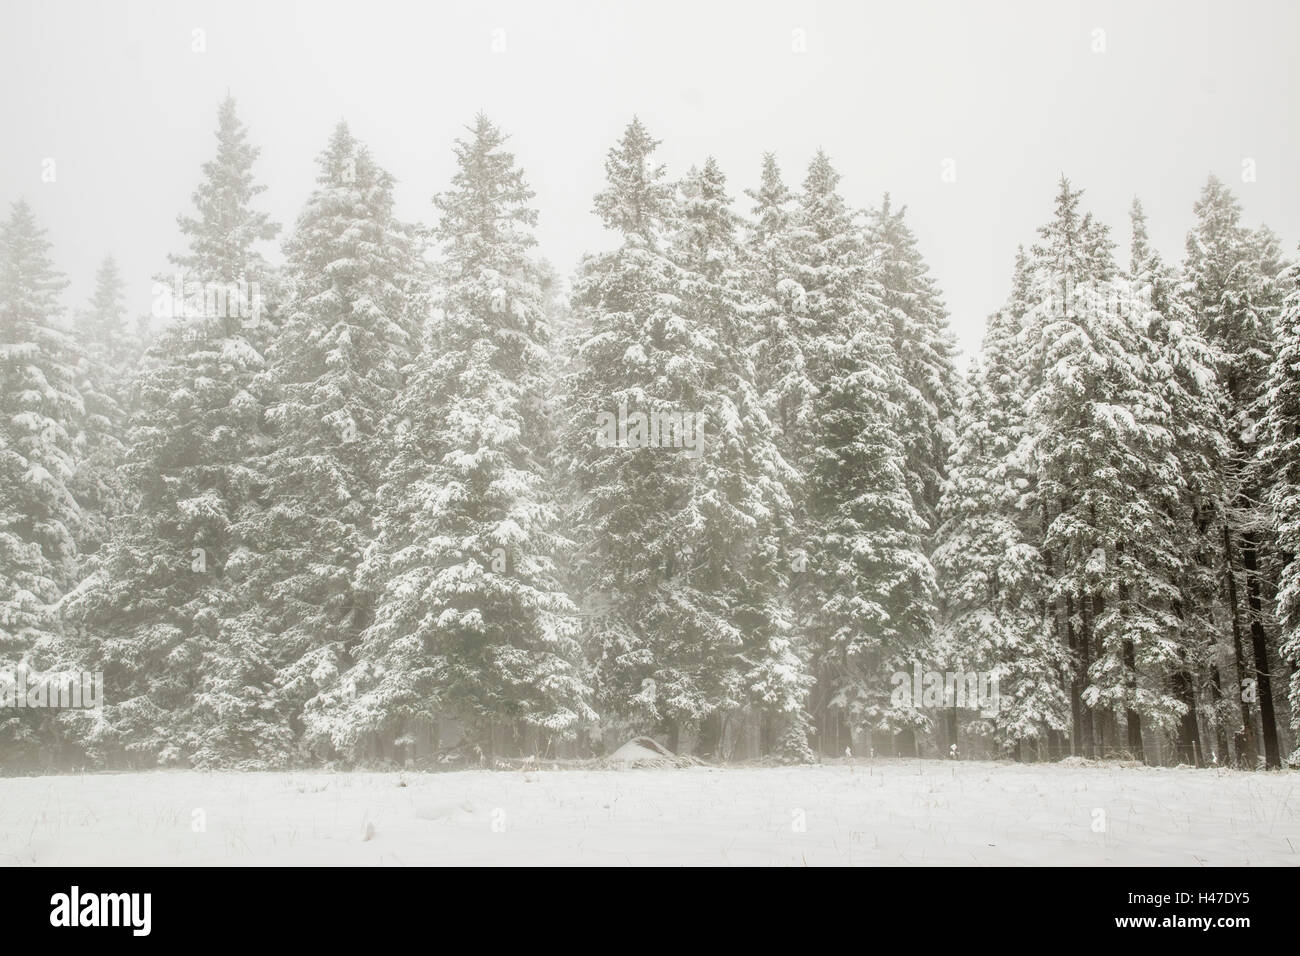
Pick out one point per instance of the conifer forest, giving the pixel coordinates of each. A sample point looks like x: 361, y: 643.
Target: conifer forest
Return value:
x: 391, y: 486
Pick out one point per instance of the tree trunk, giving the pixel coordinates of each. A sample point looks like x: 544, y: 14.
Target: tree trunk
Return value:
x: 1259, y: 648
x: 1132, y: 718
x: 1183, y: 687
x: 710, y: 736
x: 1189, y: 731
x: 907, y: 744
x: 766, y: 741
x: 1202, y: 513
x: 1089, y: 741
x: 1055, y: 745
x: 1246, y: 752
x: 824, y: 729
x: 1216, y: 698
x: 1076, y: 685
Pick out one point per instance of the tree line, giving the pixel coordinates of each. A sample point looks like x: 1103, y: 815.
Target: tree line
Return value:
x: 325, y: 511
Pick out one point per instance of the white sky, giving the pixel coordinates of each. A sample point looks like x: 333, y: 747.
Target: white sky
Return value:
x: 1011, y: 91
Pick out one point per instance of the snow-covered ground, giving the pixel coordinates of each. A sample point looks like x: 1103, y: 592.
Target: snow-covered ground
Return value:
x: 881, y: 812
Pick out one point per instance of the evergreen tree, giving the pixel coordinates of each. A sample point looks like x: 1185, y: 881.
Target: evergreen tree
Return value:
x: 869, y: 597
x: 166, y: 615
x: 355, y: 302
x: 109, y: 352
x: 469, y: 618
x: 740, y: 502
x: 226, y: 232
x: 1110, y: 482
x: 1179, y: 365
x: 1230, y: 286
x: 1281, y: 455
x: 928, y: 384
x: 990, y: 567
x: 918, y: 323
x: 664, y: 645
x: 41, y: 413
x: 779, y: 331
x: 778, y: 312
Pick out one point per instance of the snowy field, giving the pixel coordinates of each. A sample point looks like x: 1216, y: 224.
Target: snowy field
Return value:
x: 864, y: 813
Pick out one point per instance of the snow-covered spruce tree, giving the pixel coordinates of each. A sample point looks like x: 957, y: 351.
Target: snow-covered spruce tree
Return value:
x: 109, y: 353
x: 356, y: 298
x: 1179, y: 365
x: 1175, y: 461
x: 929, y: 385
x: 1281, y: 458
x: 664, y: 648
x: 740, y: 504
x: 781, y: 327
x: 988, y: 563
x: 41, y: 413
x: 1110, y: 483
x: 1229, y: 284
x: 1043, y: 290
x: 869, y: 594
x: 779, y: 331
x: 923, y: 342
x: 107, y: 335
x: 165, y: 615
x: 469, y: 619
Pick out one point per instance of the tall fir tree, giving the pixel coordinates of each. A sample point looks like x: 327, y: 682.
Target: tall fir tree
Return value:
x: 1179, y: 365
x: 918, y: 324
x: 1229, y: 284
x: 355, y: 300
x: 929, y: 387
x: 779, y: 330
x: 780, y: 324
x: 664, y: 648
x: 41, y: 416
x: 741, y: 503
x: 1281, y: 458
x: 988, y: 561
x: 166, y: 615
x: 870, y: 586
x: 469, y: 619
x: 109, y: 352
x: 1111, y: 484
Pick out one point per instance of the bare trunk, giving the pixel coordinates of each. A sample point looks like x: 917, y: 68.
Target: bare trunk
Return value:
x: 1077, y: 716
x: 1246, y: 738
x: 1259, y: 649
x: 1132, y: 719
x: 1089, y: 741
x: 710, y: 736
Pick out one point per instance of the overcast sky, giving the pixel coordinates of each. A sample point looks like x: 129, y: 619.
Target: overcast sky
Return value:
x: 1131, y: 98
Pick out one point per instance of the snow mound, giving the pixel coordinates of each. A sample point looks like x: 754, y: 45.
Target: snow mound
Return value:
x: 645, y: 752
x: 1127, y: 764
